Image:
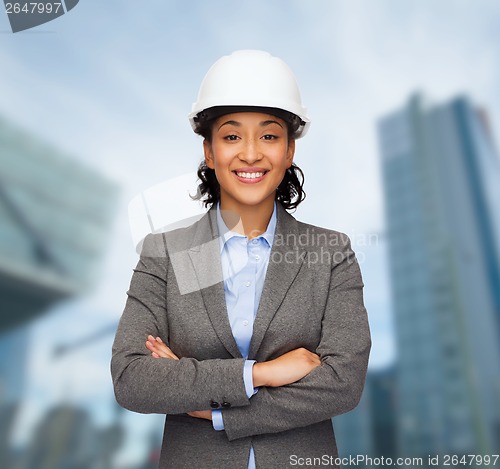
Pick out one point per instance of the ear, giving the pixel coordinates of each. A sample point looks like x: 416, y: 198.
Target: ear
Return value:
x: 290, y: 152
x: 209, y: 155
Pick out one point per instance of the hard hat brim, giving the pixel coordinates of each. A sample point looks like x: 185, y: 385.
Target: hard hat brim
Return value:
x: 298, y: 125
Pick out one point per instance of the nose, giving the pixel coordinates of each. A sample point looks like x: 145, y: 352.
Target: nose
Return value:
x: 250, y: 152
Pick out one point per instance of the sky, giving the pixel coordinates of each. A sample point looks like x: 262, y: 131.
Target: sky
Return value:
x: 111, y: 84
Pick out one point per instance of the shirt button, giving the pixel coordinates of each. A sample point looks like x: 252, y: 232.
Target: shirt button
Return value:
x: 255, y: 241
x: 245, y: 322
x: 248, y: 284
x: 257, y: 258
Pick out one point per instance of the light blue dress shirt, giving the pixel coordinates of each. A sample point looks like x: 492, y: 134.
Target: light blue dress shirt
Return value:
x: 244, y: 265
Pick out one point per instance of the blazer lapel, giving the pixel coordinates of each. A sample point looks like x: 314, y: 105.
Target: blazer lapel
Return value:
x: 285, y: 261
x: 205, y: 257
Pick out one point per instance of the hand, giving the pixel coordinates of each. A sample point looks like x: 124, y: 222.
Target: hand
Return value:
x: 159, y: 349
x: 201, y: 414
x: 287, y: 369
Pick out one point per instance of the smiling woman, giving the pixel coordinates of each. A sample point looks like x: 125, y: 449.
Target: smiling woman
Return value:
x: 289, y: 187
x: 247, y: 344
x: 249, y: 153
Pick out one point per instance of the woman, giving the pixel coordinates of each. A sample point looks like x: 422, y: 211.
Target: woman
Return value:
x: 247, y: 328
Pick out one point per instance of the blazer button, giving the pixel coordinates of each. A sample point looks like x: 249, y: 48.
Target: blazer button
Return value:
x: 214, y: 405
x: 226, y: 404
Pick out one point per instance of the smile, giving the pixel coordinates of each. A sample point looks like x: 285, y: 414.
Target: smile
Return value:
x: 252, y: 177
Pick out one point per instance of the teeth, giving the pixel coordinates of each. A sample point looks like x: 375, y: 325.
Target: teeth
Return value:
x: 250, y: 175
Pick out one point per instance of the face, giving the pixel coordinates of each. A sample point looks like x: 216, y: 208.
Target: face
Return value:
x: 250, y: 153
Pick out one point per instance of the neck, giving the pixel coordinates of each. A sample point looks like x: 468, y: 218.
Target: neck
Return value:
x: 249, y: 220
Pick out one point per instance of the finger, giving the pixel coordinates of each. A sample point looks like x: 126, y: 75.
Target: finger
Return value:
x: 157, y: 345
x: 172, y: 354
x: 158, y: 351
x: 152, y: 340
x: 153, y: 348
x: 163, y: 351
x: 155, y: 355
x: 155, y: 341
x: 150, y: 348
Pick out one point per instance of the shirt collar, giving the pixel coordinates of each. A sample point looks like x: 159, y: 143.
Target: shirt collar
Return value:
x: 225, y: 234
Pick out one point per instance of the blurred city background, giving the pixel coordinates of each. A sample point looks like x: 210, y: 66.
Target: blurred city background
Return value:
x: 401, y: 155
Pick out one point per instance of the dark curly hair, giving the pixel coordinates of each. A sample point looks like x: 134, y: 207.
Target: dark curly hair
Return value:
x: 290, y: 192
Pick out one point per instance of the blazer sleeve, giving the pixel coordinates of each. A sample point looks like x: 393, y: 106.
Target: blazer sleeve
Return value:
x: 332, y: 388
x: 148, y: 385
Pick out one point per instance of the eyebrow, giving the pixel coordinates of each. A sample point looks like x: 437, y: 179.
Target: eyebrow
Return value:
x: 235, y: 123
x: 263, y: 124
x: 238, y: 124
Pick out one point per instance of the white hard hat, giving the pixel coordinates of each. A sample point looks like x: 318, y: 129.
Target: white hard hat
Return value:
x: 250, y: 80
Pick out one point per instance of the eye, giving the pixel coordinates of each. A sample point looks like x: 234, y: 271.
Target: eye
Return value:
x: 231, y: 137
x: 270, y: 137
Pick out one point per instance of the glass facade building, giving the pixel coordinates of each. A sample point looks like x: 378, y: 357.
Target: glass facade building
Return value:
x: 55, y: 218
x: 55, y: 215
x: 441, y: 179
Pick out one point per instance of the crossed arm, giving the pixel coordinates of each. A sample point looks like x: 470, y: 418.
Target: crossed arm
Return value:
x: 145, y: 384
x: 326, y: 384
x: 297, y: 389
x: 286, y: 369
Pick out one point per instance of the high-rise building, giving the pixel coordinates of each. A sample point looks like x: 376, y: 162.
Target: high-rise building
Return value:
x: 383, y: 402
x: 369, y: 431
x: 55, y: 217
x: 353, y: 430
x: 442, y: 183
x: 65, y: 438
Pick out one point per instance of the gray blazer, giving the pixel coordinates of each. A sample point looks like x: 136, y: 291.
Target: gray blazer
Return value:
x: 312, y: 298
